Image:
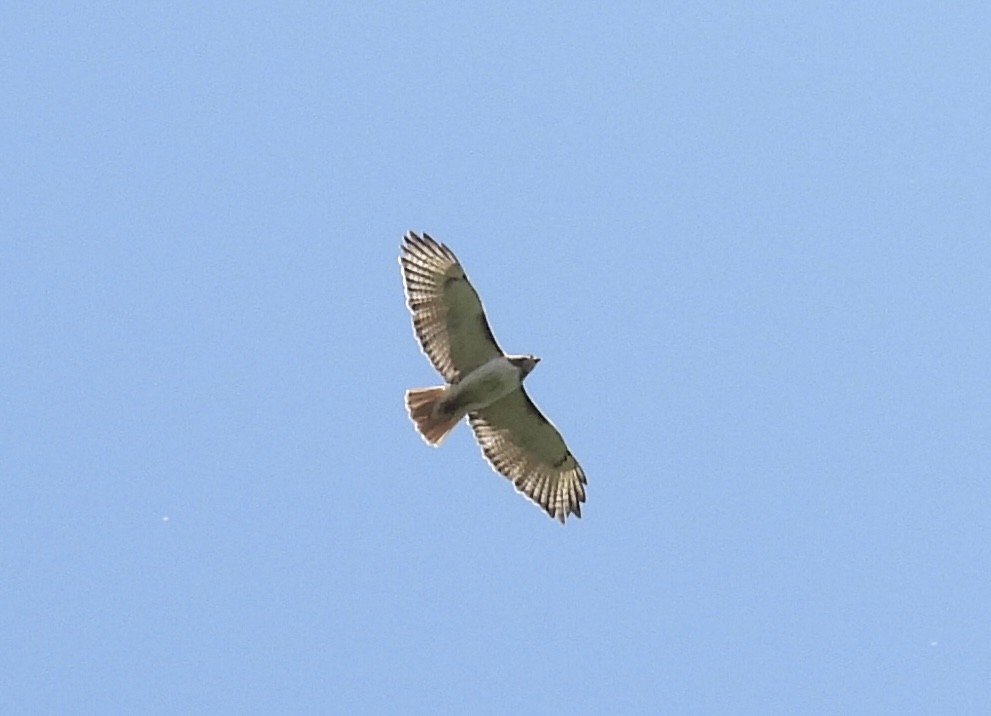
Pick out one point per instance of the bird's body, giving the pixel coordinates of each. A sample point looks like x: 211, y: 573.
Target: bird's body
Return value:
x: 484, y: 385
x: 439, y: 410
x: 481, y: 382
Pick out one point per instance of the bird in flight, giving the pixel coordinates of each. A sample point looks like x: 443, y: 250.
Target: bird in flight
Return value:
x: 481, y: 382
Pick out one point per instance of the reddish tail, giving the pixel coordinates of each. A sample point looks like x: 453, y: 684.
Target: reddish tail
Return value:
x: 424, y: 409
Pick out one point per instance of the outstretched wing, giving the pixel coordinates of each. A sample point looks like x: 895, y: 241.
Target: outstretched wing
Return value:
x: 521, y: 444
x: 448, y: 318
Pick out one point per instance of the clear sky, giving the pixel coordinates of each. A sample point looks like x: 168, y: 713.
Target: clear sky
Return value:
x: 750, y: 241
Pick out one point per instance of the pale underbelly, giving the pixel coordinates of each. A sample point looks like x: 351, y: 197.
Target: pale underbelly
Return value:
x: 483, y: 387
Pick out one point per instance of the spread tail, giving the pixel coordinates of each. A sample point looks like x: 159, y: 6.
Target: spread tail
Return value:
x: 430, y: 419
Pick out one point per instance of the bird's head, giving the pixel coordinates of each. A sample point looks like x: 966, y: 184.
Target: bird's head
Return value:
x: 525, y: 364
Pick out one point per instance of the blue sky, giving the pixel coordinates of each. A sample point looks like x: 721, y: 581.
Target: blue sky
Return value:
x: 751, y: 245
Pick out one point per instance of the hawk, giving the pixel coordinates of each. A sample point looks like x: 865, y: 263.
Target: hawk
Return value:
x: 481, y: 382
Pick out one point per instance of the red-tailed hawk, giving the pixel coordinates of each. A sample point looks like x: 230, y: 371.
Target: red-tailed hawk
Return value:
x: 482, y: 382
